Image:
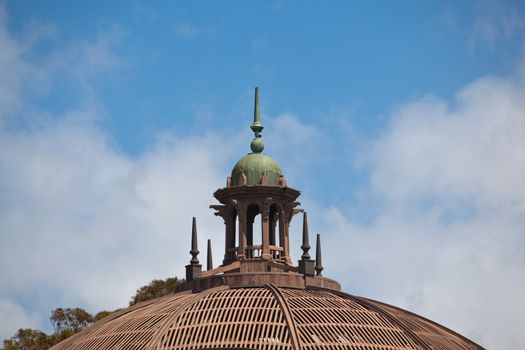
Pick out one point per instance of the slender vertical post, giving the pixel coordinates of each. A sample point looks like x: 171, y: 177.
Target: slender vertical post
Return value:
x: 243, y: 227
x: 283, y: 243
x: 265, y: 228
x: 194, y: 269
x: 286, y: 239
x: 256, y: 109
x: 209, y: 264
x: 306, y: 265
x: 229, y: 222
x: 194, y: 249
x: 306, y: 245
x: 318, y: 258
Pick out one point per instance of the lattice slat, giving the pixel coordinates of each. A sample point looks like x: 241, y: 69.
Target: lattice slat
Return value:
x: 438, y: 337
x: 254, y: 318
x: 327, y: 321
x: 132, y: 330
x: 241, y: 318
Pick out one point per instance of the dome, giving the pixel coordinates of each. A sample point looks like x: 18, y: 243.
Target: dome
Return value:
x: 266, y: 317
x: 254, y: 166
x: 258, y: 298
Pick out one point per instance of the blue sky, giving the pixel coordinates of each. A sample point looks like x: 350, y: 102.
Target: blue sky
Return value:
x: 401, y: 122
x: 177, y: 60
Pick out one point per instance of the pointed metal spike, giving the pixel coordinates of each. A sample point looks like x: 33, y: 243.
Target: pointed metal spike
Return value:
x: 194, y: 248
x: 306, y: 244
x: 318, y: 257
x: 256, y: 111
x: 257, y: 125
x: 209, y: 265
x: 257, y: 144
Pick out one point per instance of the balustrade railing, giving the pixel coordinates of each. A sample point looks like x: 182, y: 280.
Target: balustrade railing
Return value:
x: 277, y: 252
x: 255, y: 252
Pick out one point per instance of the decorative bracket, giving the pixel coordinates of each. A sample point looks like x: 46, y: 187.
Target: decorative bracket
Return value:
x: 290, y: 211
x: 266, y: 209
x: 220, y: 210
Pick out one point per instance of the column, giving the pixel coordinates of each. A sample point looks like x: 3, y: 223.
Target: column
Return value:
x: 265, y: 222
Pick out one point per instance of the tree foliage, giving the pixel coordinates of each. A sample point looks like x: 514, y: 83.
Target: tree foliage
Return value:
x: 100, y: 315
x: 155, y: 289
x: 28, y: 339
x: 68, y: 321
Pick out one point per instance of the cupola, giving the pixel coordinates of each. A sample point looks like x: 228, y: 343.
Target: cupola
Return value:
x: 256, y: 168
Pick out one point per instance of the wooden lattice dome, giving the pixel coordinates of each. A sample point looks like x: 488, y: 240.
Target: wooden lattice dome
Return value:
x: 268, y: 317
x: 257, y: 298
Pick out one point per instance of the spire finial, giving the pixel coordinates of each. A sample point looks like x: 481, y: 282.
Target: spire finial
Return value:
x: 194, y: 269
x: 257, y: 144
x: 318, y: 258
x: 306, y: 245
x: 194, y: 250
x: 209, y: 265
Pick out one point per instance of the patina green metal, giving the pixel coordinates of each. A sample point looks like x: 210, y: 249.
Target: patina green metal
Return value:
x: 255, y: 165
x: 257, y: 144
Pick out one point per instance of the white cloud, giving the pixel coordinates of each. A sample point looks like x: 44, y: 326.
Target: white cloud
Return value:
x: 185, y: 29
x: 84, y: 61
x: 496, y: 21
x: 287, y: 140
x: 91, y: 224
x: 82, y: 224
x: 18, y: 77
x: 145, y: 11
x: 449, y: 237
x: 12, y: 316
x: 469, y: 150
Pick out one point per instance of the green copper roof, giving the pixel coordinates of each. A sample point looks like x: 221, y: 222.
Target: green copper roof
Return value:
x: 255, y: 165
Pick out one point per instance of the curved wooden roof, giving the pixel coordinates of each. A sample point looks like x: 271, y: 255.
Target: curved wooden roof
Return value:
x: 268, y: 317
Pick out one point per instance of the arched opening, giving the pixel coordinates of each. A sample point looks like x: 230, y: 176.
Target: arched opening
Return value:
x: 235, y: 223
x: 253, y: 229
x: 274, y: 218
